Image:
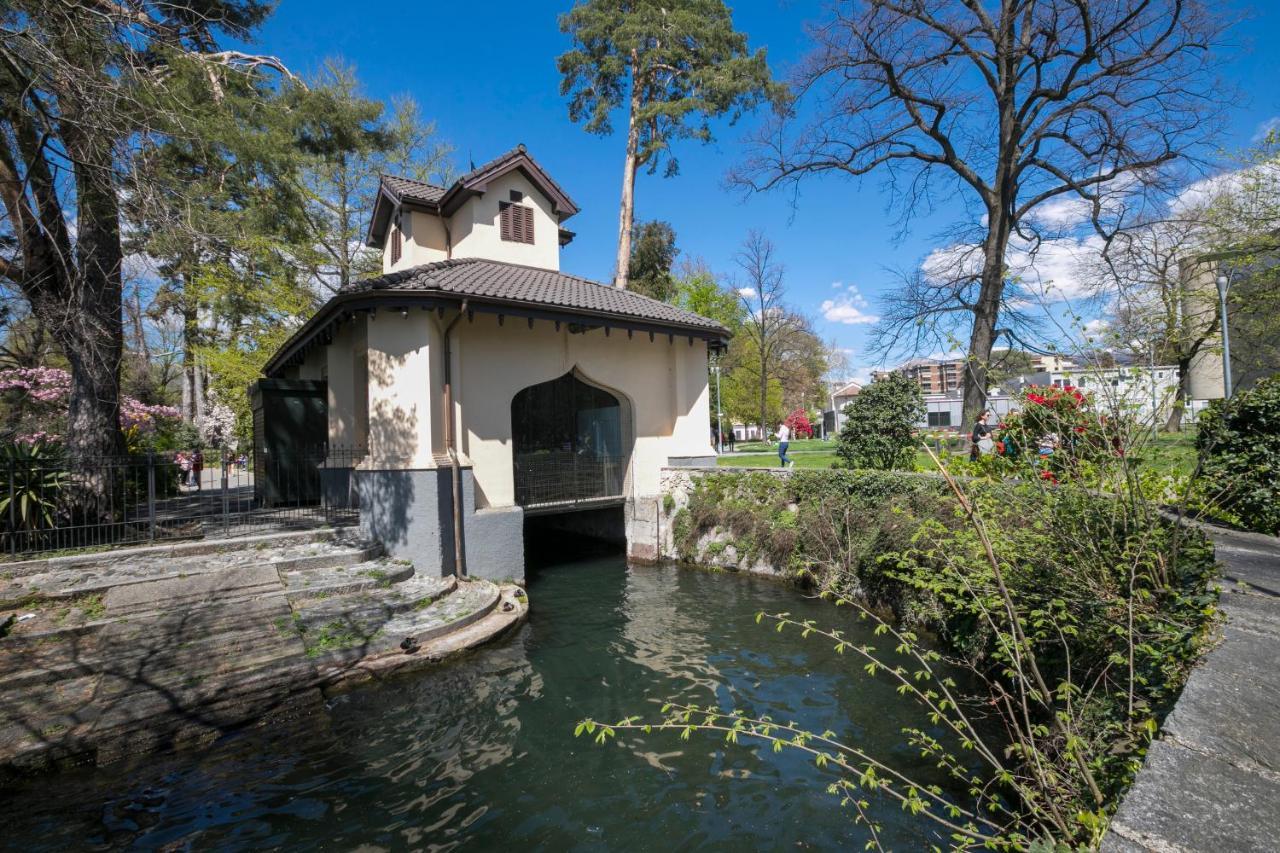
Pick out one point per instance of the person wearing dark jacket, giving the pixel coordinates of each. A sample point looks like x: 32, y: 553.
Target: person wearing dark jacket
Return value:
x: 981, y: 432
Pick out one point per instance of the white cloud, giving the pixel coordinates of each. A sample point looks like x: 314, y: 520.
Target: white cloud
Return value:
x: 1265, y: 128
x: 843, y: 309
x: 1051, y: 271
x: 836, y: 285
x: 747, y: 292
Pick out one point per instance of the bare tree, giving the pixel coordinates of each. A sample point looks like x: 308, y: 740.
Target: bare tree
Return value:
x: 768, y: 325
x: 1014, y: 104
x: 1158, y: 303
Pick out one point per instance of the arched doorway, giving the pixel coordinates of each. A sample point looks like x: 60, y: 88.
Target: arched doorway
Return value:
x: 568, y: 445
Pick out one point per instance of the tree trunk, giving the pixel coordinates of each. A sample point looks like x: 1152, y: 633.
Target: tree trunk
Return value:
x: 1174, y: 423
x: 626, y: 213
x: 91, y: 330
x: 986, y: 314
x: 189, y: 331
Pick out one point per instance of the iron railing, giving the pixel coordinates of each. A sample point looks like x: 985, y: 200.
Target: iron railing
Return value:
x: 554, y: 478
x: 57, y: 503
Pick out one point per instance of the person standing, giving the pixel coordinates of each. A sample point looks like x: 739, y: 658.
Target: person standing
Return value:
x: 784, y: 439
x: 197, y: 467
x: 980, y: 441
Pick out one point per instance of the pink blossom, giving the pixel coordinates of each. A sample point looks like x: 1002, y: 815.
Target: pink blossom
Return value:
x: 52, y: 385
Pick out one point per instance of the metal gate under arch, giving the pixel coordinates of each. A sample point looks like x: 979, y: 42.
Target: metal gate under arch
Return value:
x: 567, y: 443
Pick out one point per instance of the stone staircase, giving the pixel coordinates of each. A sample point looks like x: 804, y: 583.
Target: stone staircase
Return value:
x: 133, y: 650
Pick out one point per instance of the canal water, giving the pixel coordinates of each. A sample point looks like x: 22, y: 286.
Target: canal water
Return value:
x: 479, y: 754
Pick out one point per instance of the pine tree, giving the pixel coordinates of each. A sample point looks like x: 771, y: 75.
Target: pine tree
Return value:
x: 673, y: 65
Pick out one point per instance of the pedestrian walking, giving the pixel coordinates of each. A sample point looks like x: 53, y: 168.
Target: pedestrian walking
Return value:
x: 784, y: 439
x: 184, y: 467
x: 197, y: 466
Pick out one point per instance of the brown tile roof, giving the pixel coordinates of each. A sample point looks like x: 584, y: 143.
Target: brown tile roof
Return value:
x: 407, y: 189
x: 499, y: 282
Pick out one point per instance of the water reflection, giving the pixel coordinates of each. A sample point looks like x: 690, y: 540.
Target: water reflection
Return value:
x: 480, y: 753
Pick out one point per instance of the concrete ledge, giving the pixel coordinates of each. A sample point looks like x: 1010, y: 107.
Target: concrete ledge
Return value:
x: 1212, y: 780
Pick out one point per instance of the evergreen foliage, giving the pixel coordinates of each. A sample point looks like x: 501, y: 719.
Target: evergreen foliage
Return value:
x: 1239, y: 444
x: 653, y: 253
x: 880, y: 424
x: 674, y: 65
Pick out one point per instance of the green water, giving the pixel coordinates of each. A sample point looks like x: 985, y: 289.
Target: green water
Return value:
x: 480, y: 754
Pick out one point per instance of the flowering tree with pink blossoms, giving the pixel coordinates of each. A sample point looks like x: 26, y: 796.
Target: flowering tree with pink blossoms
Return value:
x: 40, y: 397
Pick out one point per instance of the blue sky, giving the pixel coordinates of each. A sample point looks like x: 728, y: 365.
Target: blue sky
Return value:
x: 485, y: 72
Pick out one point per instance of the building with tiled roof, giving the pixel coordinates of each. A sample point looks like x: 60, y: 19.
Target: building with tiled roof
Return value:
x: 479, y: 386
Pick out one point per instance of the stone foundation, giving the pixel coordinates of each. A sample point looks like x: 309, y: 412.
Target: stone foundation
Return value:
x: 410, y: 513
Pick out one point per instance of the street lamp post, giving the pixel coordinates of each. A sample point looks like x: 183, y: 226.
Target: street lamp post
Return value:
x: 719, y: 414
x: 1224, y: 284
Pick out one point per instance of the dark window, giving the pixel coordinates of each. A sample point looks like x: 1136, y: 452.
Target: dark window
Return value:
x: 516, y: 222
x: 939, y: 419
x: 516, y: 195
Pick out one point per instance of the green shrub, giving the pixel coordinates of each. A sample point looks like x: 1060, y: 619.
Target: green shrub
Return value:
x: 880, y: 423
x: 1074, y: 617
x: 1239, y: 446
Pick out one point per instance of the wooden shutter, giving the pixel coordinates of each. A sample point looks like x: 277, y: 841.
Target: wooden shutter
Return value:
x: 526, y: 223
x: 515, y: 222
x: 395, y: 242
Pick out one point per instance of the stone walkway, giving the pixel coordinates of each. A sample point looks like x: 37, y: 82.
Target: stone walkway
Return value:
x: 1212, y: 780
x: 134, y: 650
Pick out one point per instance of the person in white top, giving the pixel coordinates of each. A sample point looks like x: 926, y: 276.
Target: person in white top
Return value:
x: 784, y: 438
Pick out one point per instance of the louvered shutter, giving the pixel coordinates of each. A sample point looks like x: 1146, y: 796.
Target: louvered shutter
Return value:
x: 526, y: 218
x: 515, y: 222
x: 505, y: 216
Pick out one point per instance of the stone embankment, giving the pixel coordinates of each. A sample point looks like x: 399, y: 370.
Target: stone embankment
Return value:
x: 137, y: 649
x: 1212, y: 779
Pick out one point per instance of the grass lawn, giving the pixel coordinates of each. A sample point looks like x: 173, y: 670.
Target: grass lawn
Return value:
x: 1167, y: 453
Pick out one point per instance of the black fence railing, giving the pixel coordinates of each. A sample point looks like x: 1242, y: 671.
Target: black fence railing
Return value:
x: 550, y: 478
x: 56, y: 503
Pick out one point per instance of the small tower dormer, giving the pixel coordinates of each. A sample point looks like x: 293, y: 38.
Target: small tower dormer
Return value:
x: 507, y: 210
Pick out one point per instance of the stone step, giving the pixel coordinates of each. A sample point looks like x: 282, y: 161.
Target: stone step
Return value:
x: 323, y: 582
x: 384, y: 624
x: 67, y: 583
x: 483, y: 626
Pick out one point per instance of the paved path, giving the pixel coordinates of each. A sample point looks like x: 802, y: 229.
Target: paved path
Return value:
x: 1212, y: 780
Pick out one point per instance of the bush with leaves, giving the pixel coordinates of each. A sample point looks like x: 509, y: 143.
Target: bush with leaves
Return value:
x: 880, y: 425
x: 1239, y: 446
x: 1061, y: 625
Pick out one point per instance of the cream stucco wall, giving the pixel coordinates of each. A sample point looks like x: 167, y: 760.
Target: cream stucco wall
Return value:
x: 404, y: 371
x: 663, y: 385
x: 476, y: 232
x: 342, y: 388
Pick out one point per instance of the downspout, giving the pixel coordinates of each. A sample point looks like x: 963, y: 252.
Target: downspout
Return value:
x: 450, y: 441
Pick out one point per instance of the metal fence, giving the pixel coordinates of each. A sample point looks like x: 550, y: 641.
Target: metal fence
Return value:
x: 55, y: 503
x: 556, y: 478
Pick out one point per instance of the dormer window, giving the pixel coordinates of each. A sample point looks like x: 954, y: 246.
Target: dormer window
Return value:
x: 516, y: 221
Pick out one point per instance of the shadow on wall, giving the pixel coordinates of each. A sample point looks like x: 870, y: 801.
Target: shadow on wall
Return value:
x: 387, y: 492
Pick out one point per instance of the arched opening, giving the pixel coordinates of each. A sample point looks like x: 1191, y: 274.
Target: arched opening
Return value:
x: 568, y: 445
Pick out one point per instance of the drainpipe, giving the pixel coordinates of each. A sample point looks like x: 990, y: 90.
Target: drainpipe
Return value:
x: 450, y: 441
